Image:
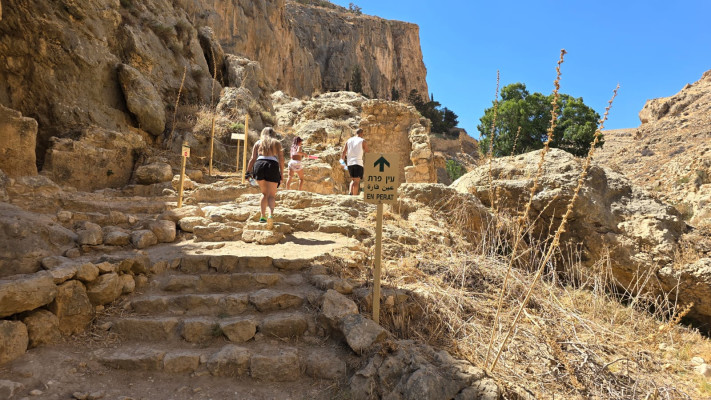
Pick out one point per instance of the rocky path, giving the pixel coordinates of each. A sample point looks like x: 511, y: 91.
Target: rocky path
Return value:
x: 212, y: 325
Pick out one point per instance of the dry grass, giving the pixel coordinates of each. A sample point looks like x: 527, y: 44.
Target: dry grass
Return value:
x: 571, y: 333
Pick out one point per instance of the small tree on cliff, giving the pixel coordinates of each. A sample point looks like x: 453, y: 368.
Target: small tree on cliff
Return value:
x: 442, y: 120
x: 356, y: 80
x: 354, y: 9
x: 532, y: 112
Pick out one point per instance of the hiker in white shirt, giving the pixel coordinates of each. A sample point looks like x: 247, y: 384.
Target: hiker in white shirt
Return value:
x: 353, y: 152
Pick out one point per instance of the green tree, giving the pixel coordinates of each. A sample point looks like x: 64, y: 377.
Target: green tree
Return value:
x: 574, y: 131
x: 354, y: 9
x: 443, y: 120
x: 357, y: 80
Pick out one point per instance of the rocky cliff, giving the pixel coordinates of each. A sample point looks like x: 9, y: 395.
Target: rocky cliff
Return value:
x: 669, y: 154
x: 119, y: 64
x: 306, y: 48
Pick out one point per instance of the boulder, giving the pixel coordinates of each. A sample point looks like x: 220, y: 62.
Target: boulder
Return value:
x: 230, y: 361
x: 87, y: 272
x: 105, y: 289
x: 177, y: 214
x: 117, y: 238
x: 26, y: 238
x: 335, y: 306
x: 143, y: 238
x: 416, y: 371
x: 90, y: 234
x: 18, y: 136
x: 279, y: 366
x: 217, y: 232
x: 188, y: 224
x: 26, y: 292
x: 611, y: 220
x: 13, y: 340
x: 239, y: 329
x: 97, y: 159
x: 72, y: 308
x: 262, y: 236
x: 154, y: 173
x: 361, y: 333
x: 142, y: 100
x: 165, y: 231
x: 42, y: 327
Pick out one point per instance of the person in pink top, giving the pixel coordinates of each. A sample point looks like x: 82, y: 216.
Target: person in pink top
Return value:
x: 353, y: 152
x: 295, y: 165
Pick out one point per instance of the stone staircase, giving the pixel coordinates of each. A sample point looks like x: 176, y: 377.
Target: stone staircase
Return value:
x: 228, y: 316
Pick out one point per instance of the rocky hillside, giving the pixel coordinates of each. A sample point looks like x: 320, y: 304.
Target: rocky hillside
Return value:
x: 669, y: 154
x: 119, y: 65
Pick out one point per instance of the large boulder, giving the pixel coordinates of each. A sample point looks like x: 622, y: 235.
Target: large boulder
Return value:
x: 98, y: 158
x: 142, y: 99
x: 26, y: 292
x: 18, y: 136
x: 42, y: 327
x: 611, y: 220
x: 72, y: 308
x: 26, y: 238
x: 415, y: 371
x: 154, y: 173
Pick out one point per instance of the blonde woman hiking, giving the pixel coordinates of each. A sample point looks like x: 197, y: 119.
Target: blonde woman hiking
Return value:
x: 267, y: 160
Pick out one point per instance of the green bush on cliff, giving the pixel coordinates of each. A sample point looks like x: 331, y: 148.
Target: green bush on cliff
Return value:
x: 443, y: 120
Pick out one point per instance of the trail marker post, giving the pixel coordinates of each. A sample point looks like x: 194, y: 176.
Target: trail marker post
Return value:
x: 381, y: 179
x: 238, y: 137
x: 185, y: 152
x: 244, y: 154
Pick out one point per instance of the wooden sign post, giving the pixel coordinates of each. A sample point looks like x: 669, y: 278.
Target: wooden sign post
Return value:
x: 237, y: 137
x: 185, y: 152
x: 381, y: 179
x: 246, y: 139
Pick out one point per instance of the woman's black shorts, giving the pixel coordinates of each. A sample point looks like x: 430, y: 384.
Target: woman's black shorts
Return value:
x: 355, y: 171
x: 267, y: 170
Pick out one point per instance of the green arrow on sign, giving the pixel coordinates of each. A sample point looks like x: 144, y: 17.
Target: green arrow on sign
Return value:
x: 382, y: 161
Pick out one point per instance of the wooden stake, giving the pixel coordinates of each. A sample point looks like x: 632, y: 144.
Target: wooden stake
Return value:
x: 376, y: 272
x: 246, y: 140
x: 182, y: 173
x: 237, y: 159
x: 212, y: 141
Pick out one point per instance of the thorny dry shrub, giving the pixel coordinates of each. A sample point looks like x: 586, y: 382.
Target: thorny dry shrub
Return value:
x: 578, y: 337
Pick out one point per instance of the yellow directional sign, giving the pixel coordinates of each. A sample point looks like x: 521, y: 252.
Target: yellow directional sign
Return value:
x: 381, y: 177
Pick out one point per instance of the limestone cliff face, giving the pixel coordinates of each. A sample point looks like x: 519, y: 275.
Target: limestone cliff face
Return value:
x: 306, y: 48
x: 60, y: 61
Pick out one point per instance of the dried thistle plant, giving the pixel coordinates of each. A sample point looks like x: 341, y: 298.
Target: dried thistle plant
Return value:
x: 212, y: 109
x: 491, y: 140
x: 523, y: 218
x: 561, y: 228
x: 513, y: 148
x: 177, y: 100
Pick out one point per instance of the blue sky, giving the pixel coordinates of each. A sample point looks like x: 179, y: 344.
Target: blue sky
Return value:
x: 651, y: 48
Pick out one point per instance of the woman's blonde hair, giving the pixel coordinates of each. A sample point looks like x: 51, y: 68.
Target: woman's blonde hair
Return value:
x: 269, y: 145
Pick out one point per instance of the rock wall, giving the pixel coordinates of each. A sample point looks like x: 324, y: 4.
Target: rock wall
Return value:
x: 393, y: 127
x: 669, y: 154
x: 305, y: 48
x: 18, y: 136
x: 60, y: 61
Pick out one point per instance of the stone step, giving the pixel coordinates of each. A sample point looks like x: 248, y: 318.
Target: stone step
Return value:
x: 267, y: 361
x: 207, y: 329
x: 228, y: 303
x: 217, y: 282
x: 224, y: 263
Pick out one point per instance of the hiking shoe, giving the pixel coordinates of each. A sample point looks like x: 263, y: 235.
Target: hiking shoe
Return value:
x: 270, y: 222
x: 262, y: 220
